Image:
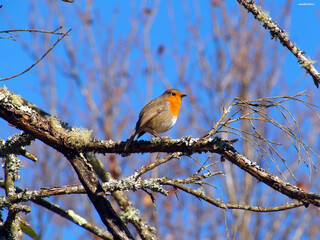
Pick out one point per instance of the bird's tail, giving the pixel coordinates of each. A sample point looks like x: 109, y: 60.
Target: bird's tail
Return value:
x: 130, y: 140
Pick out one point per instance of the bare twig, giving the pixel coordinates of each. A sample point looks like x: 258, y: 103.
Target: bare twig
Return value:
x: 218, y: 123
x: 75, y: 218
x: 217, y: 203
x: 33, y: 30
x: 158, y: 162
x: 43, y: 56
x: 259, y: 107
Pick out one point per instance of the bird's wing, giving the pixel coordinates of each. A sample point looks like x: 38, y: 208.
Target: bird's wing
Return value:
x: 146, y: 114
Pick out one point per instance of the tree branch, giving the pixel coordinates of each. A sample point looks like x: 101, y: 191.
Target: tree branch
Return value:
x: 128, y: 211
x: 50, y: 130
x: 16, y: 144
x: 217, y: 203
x: 277, y: 32
x: 43, y: 56
x: 271, y: 180
x: 37, y: 195
x: 75, y: 218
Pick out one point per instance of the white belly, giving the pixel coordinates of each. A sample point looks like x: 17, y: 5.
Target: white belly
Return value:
x: 174, y: 120
x: 166, y: 125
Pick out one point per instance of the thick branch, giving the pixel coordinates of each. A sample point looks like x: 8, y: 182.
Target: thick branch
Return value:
x: 187, y: 145
x: 23, y: 115
x: 277, y: 32
x: 271, y: 180
x: 52, y: 132
x: 128, y: 211
x: 98, y: 197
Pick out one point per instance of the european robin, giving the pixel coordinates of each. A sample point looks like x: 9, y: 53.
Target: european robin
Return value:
x: 159, y: 115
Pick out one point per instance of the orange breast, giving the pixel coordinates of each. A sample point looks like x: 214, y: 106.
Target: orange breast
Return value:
x: 174, y: 105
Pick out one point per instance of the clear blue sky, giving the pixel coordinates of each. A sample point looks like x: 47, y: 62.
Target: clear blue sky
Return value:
x: 304, y: 31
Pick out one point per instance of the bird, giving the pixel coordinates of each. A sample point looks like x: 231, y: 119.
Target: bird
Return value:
x: 159, y: 115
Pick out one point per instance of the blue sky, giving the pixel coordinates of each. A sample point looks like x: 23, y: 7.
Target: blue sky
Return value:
x: 303, y: 31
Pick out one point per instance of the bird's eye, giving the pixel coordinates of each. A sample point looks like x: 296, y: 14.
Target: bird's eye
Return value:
x: 173, y: 94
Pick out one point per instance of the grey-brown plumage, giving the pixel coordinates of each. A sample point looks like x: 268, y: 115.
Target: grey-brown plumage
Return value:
x: 159, y: 115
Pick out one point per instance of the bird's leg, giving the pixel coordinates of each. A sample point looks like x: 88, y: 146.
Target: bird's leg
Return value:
x: 156, y: 134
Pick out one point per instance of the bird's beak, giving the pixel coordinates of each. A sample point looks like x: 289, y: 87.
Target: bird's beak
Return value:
x: 183, y: 95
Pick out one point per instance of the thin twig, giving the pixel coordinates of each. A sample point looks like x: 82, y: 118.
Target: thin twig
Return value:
x: 203, y: 196
x: 46, y: 53
x: 34, y: 30
x: 158, y: 162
